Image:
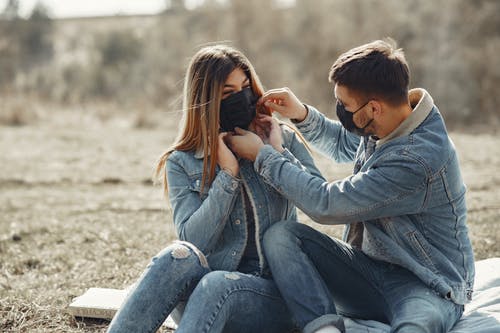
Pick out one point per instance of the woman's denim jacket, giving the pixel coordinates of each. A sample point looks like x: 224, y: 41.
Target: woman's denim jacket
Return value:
x: 215, y: 220
x: 408, y: 194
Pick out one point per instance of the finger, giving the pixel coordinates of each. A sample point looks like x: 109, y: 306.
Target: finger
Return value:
x: 274, y: 106
x: 263, y: 129
x: 278, y: 101
x: 240, y: 131
x: 276, y: 93
x: 228, y: 140
x: 265, y: 122
x: 280, y: 93
x: 261, y: 120
x: 275, y: 123
x: 265, y: 117
x: 222, y: 138
x: 262, y: 134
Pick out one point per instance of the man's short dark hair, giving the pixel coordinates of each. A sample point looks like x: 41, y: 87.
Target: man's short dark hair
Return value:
x: 374, y: 70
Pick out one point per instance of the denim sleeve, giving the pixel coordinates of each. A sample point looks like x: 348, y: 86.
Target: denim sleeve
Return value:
x: 200, y: 220
x: 298, y: 154
x: 329, y: 137
x: 397, y: 186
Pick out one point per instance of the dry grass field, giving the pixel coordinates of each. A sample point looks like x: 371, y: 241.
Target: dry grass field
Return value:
x: 78, y: 210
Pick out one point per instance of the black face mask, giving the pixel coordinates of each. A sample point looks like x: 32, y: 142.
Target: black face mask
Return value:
x: 346, y: 118
x: 238, y: 110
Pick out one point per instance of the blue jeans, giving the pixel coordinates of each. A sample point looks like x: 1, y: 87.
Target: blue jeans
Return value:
x: 204, y: 300
x: 323, y: 279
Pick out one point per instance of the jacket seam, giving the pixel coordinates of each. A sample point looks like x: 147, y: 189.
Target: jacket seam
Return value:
x: 257, y: 228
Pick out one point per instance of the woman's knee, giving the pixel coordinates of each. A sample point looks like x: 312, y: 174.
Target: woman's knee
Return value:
x: 227, y: 287
x: 219, y: 282
x: 181, y: 256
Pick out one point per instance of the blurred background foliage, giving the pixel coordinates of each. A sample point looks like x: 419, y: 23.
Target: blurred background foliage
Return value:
x: 138, y: 62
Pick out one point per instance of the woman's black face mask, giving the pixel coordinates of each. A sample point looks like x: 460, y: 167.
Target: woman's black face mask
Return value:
x: 238, y: 110
x: 346, y: 119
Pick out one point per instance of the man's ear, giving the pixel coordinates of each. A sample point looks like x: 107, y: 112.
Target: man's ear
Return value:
x: 376, y: 108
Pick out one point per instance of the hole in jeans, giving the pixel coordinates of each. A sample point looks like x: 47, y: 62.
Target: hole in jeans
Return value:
x: 180, y: 251
x: 232, y: 276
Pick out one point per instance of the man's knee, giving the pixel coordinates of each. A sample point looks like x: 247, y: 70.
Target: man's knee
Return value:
x: 281, y: 235
x: 424, y: 318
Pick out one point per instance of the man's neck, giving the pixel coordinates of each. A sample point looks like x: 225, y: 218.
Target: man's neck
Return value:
x: 394, y: 118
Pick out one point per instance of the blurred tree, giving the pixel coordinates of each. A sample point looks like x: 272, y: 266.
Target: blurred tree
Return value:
x: 452, y: 52
x: 8, y: 51
x: 250, y: 23
x: 118, y: 49
x: 11, y: 10
x: 175, y: 6
x: 478, y: 33
x: 117, y: 54
x: 262, y: 31
x: 319, y: 41
x: 36, y: 36
x: 24, y: 43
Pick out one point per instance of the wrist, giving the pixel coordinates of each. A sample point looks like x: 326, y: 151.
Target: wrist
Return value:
x: 279, y: 148
x: 256, y: 152
x: 302, y: 114
x: 232, y: 170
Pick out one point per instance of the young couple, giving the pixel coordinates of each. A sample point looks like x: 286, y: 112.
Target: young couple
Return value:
x: 235, y: 175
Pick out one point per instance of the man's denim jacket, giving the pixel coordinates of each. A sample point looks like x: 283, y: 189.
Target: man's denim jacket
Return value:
x: 409, y: 195
x: 215, y: 220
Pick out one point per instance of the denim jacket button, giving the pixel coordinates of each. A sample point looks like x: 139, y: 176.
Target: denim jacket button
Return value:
x: 234, y: 253
x: 237, y: 222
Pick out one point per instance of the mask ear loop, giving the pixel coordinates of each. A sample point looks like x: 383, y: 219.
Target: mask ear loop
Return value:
x: 359, y: 109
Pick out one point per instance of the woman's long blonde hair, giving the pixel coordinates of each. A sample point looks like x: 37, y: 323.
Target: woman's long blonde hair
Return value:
x: 206, y: 75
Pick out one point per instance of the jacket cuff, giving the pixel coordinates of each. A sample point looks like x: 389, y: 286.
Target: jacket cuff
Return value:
x: 310, y: 123
x: 227, y: 182
x: 264, y: 153
x: 289, y: 156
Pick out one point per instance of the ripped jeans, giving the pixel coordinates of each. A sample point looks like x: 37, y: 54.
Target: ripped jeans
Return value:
x: 179, y: 281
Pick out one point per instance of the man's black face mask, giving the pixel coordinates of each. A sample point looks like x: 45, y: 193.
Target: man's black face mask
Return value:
x: 238, y: 110
x: 346, y: 118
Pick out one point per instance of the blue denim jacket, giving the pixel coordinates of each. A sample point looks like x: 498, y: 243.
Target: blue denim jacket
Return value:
x: 215, y: 220
x: 408, y: 194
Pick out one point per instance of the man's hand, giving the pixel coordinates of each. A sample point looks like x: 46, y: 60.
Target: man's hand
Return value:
x: 245, y: 144
x: 285, y: 103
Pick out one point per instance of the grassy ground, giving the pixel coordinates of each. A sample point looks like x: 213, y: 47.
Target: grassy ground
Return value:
x: 78, y: 210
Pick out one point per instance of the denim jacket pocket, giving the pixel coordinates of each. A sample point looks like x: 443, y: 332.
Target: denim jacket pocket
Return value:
x: 195, y: 186
x: 421, y: 250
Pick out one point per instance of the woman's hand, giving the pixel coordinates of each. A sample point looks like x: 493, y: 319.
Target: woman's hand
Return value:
x: 268, y: 128
x: 245, y: 144
x: 225, y: 157
x: 261, y: 129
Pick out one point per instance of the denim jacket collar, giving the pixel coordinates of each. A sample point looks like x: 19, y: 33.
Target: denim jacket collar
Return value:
x: 199, y: 154
x: 422, y: 104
